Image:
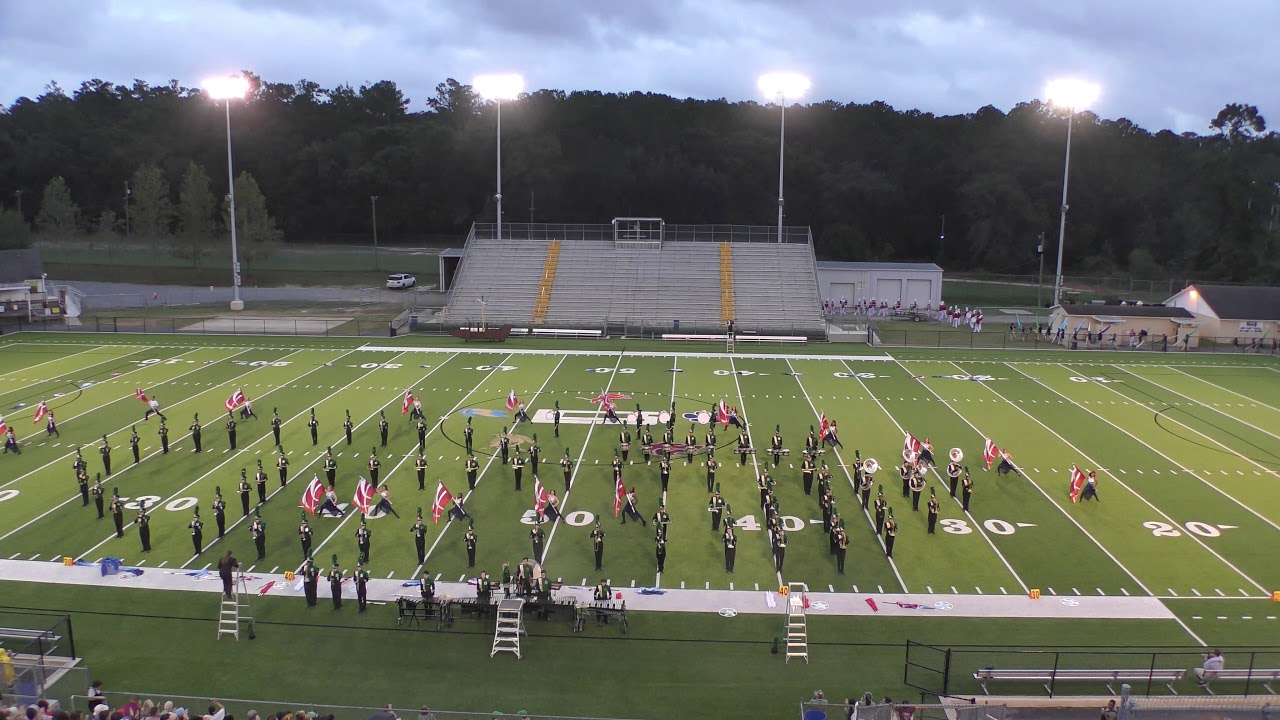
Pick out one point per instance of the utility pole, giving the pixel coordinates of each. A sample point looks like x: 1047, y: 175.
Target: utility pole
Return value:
x: 942, y: 236
x: 373, y: 201
x: 1040, y: 283
x: 128, y: 192
x: 530, y: 207
x: 18, y: 194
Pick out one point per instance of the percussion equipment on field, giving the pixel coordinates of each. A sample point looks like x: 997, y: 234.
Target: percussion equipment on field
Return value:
x: 956, y: 455
x: 745, y: 450
x: 625, y: 447
x: 664, y: 417
x: 870, y: 466
x: 779, y: 451
x: 704, y: 417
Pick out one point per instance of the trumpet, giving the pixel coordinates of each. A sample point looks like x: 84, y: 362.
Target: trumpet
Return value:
x: 870, y: 466
x: 957, y: 455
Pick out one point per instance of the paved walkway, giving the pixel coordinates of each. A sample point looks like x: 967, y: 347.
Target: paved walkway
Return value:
x: 741, y: 601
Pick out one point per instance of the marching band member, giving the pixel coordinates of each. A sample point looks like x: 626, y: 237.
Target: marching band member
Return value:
x: 624, y: 441
x: 926, y: 453
x: 917, y: 487
x: 1006, y: 464
x: 647, y: 443
x: 776, y: 446
x: 631, y: 509
x: 552, y: 509
x: 1090, y: 491
x: 384, y: 504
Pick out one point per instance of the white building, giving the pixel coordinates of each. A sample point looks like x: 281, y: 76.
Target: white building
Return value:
x: 1227, y: 312
x: 909, y: 282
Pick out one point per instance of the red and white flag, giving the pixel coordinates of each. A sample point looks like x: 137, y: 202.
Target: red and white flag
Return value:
x: 824, y: 426
x: 235, y: 401
x: 364, y: 495
x: 408, y: 402
x: 911, y: 448
x: 313, y: 496
x: 41, y: 411
x: 137, y: 392
x: 989, y: 452
x: 722, y: 413
x: 540, y: 498
x: 512, y: 401
x: 443, y: 498
x: 4, y: 427
x: 619, y: 494
x: 1077, y: 483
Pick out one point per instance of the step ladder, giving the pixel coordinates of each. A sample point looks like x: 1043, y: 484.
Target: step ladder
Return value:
x: 235, y: 611
x: 506, y: 637
x: 728, y: 342
x: 797, y: 629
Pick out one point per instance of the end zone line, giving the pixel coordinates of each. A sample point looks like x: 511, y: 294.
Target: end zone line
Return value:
x: 488, y: 464
x: 972, y: 521
x: 1046, y: 495
x: 1194, y: 538
x: 148, y: 457
x: 843, y: 468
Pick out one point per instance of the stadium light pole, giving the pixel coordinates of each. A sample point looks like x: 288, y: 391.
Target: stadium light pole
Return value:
x: 498, y: 88
x: 373, y: 203
x: 227, y: 89
x: 782, y: 85
x: 1073, y: 94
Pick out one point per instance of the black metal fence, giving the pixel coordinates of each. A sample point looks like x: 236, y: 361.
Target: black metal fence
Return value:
x: 1030, y: 340
x: 36, y: 634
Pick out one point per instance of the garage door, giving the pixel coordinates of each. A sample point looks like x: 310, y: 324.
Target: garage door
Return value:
x: 918, y: 291
x: 887, y: 289
x: 843, y: 290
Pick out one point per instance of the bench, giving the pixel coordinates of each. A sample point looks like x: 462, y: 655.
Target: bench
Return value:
x: 556, y: 332
x: 1107, y: 677
x: 1266, y: 676
x: 681, y: 337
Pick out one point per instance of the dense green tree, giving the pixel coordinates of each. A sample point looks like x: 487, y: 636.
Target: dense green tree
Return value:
x: 151, y: 213
x: 195, y: 213
x: 59, y: 216
x: 256, y: 231
x: 15, y: 233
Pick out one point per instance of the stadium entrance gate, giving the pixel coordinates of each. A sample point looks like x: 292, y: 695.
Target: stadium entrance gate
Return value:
x: 927, y: 668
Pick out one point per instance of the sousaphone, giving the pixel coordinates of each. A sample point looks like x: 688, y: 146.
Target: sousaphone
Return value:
x: 870, y: 466
x: 957, y: 455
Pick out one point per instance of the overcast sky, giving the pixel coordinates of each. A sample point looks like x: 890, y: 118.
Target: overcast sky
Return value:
x: 1163, y: 64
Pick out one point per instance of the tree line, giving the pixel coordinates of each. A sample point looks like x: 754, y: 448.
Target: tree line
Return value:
x: 971, y: 192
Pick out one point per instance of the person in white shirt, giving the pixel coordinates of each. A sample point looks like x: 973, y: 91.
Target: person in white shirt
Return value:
x: 153, y: 408
x: 1213, y: 662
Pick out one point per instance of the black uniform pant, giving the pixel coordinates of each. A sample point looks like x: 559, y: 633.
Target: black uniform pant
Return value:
x: 275, y: 431
x: 261, y: 543
x: 599, y: 557
x: 336, y: 591
x: 730, y: 554
x: 888, y: 545
x: 226, y: 584
x: 144, y: 534
x: 716, y: 516
x: 420, y: 543
x: 471, y: 557
x: 422, y: 479
x: 222, y: 524
x: 284, y: 476
x: 518, y: 473
x: 315, y: 440
x: 665, y: 479
x: 310, y: 589
x: 776, y: 460
x: 98, y: 503
x: 306, y: 548
x: 106, y: 464
x: 231, y: 440
x: 906, y: 487
x: 195, y: 439
x: 504, y: 455
x: 471, y: 480
x: 197, y: 542
x: 329, y: 474
x: 362, y: 595
x: 866, y: 498
x: 364, y: 550
x: 954, y: 482
x: 933, y: 522
x: 384, y: 438
x: 808, y: 483
x: 422, y: 442
x: 373, y: 476
x: 964, y: 498
x: 569, y: 475
x: 537, y: 552
x: 244, y: 502
x: 137, y: 455
x: 557, y: 427
x: 711, y: 481
x: 348, y: 436
x: 662, y: 559
x: 84, y: 495
x: 468, y: 444
x: 840, y: 553
x: 119, y: 526
x: 262, y: 492
x: 915, y: 500
x: 880, y: 522
x: 779, y: 555
x: 164, y: 444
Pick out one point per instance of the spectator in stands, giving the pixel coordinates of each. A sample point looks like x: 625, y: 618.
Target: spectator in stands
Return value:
x: 1109, y: 712
x: 133, y: 708
x: 216, y: 711
x: 1213, y: 662
x: 95, y: 693
x: 818, y: 698
x: 424, y: 713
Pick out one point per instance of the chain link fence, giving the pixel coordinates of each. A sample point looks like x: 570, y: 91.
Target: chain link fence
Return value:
x: 239, y: 708
x: 955, y: 710
x: 1030, y: 339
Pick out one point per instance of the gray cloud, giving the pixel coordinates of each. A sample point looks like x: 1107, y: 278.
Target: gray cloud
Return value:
x: 1162, y: 64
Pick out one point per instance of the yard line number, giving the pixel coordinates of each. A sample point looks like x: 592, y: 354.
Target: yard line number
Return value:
x: 957, y: 526
x: 1203, y: 529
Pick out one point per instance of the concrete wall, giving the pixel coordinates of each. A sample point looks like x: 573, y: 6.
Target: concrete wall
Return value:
x: 922, y: 286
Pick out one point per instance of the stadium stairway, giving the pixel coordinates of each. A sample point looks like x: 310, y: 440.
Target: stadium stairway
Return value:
x: 726, y: 283
x: 548, y: 279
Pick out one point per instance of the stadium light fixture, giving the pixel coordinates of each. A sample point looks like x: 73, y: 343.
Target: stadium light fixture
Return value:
x: 227, y: 89
x: 499, y: 87
x: 1074, y: 94
x: 780, y: 86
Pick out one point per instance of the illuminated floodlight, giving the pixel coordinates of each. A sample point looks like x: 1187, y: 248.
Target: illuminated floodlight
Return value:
x: 783, y: 84
x: 1072, y: 93
x: 506, y: 86
x: 225, y: 88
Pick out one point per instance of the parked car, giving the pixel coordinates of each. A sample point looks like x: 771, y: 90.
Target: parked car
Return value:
x: 401, y: 280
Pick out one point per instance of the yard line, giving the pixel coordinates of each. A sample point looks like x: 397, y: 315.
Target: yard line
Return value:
x: 1193, y: 474
x: 317, y: 457
x: 754, y: 463
x: 585, y: 444
x: 866, y: 513
x: 972, y: 521
x: 215, y: 468
x: 51, y: 463
x: 134, y: 465
x: 28, y: 368
x: 1046, y: 495
x: 1192, y: 536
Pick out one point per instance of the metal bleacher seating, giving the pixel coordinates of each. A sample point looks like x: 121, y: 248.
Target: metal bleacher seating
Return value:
x: 506, y: 273
x: 776, y: 287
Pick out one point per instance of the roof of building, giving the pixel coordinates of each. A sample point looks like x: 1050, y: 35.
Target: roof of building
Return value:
x: 840, y: 265
x: 453, y: 252
x: 1148, y: 311
x: 1242, y: 302
x: 20, y: 265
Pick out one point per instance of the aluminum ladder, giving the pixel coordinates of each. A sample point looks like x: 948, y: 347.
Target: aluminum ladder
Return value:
x: 797, y: 628
x: 506, y: 636
x: 235, y: 610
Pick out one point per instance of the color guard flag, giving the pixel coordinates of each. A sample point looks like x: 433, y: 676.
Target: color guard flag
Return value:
x: 137, y: 392
x: 722, y: 413
x: 540, y: 497
x: 911, y: 447
x: 408, y: 402
x: 4, y: 427
x: 1077, y: 483
x: 619, y: 494
x: 824, y: 426
x: 364, y: 495
x: 443, y: 498
x: 989, y: 452
x: 313, y: 496
x: 41, y: 411
x: 512, y: 401
x: 235, y: 401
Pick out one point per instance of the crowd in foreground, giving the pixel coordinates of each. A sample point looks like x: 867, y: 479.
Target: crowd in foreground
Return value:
x: 139, y: 709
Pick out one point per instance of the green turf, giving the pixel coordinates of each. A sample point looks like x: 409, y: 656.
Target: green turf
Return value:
x: 1185, y: 446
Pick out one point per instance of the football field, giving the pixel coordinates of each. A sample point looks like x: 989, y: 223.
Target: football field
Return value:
x: 1186, y: 449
